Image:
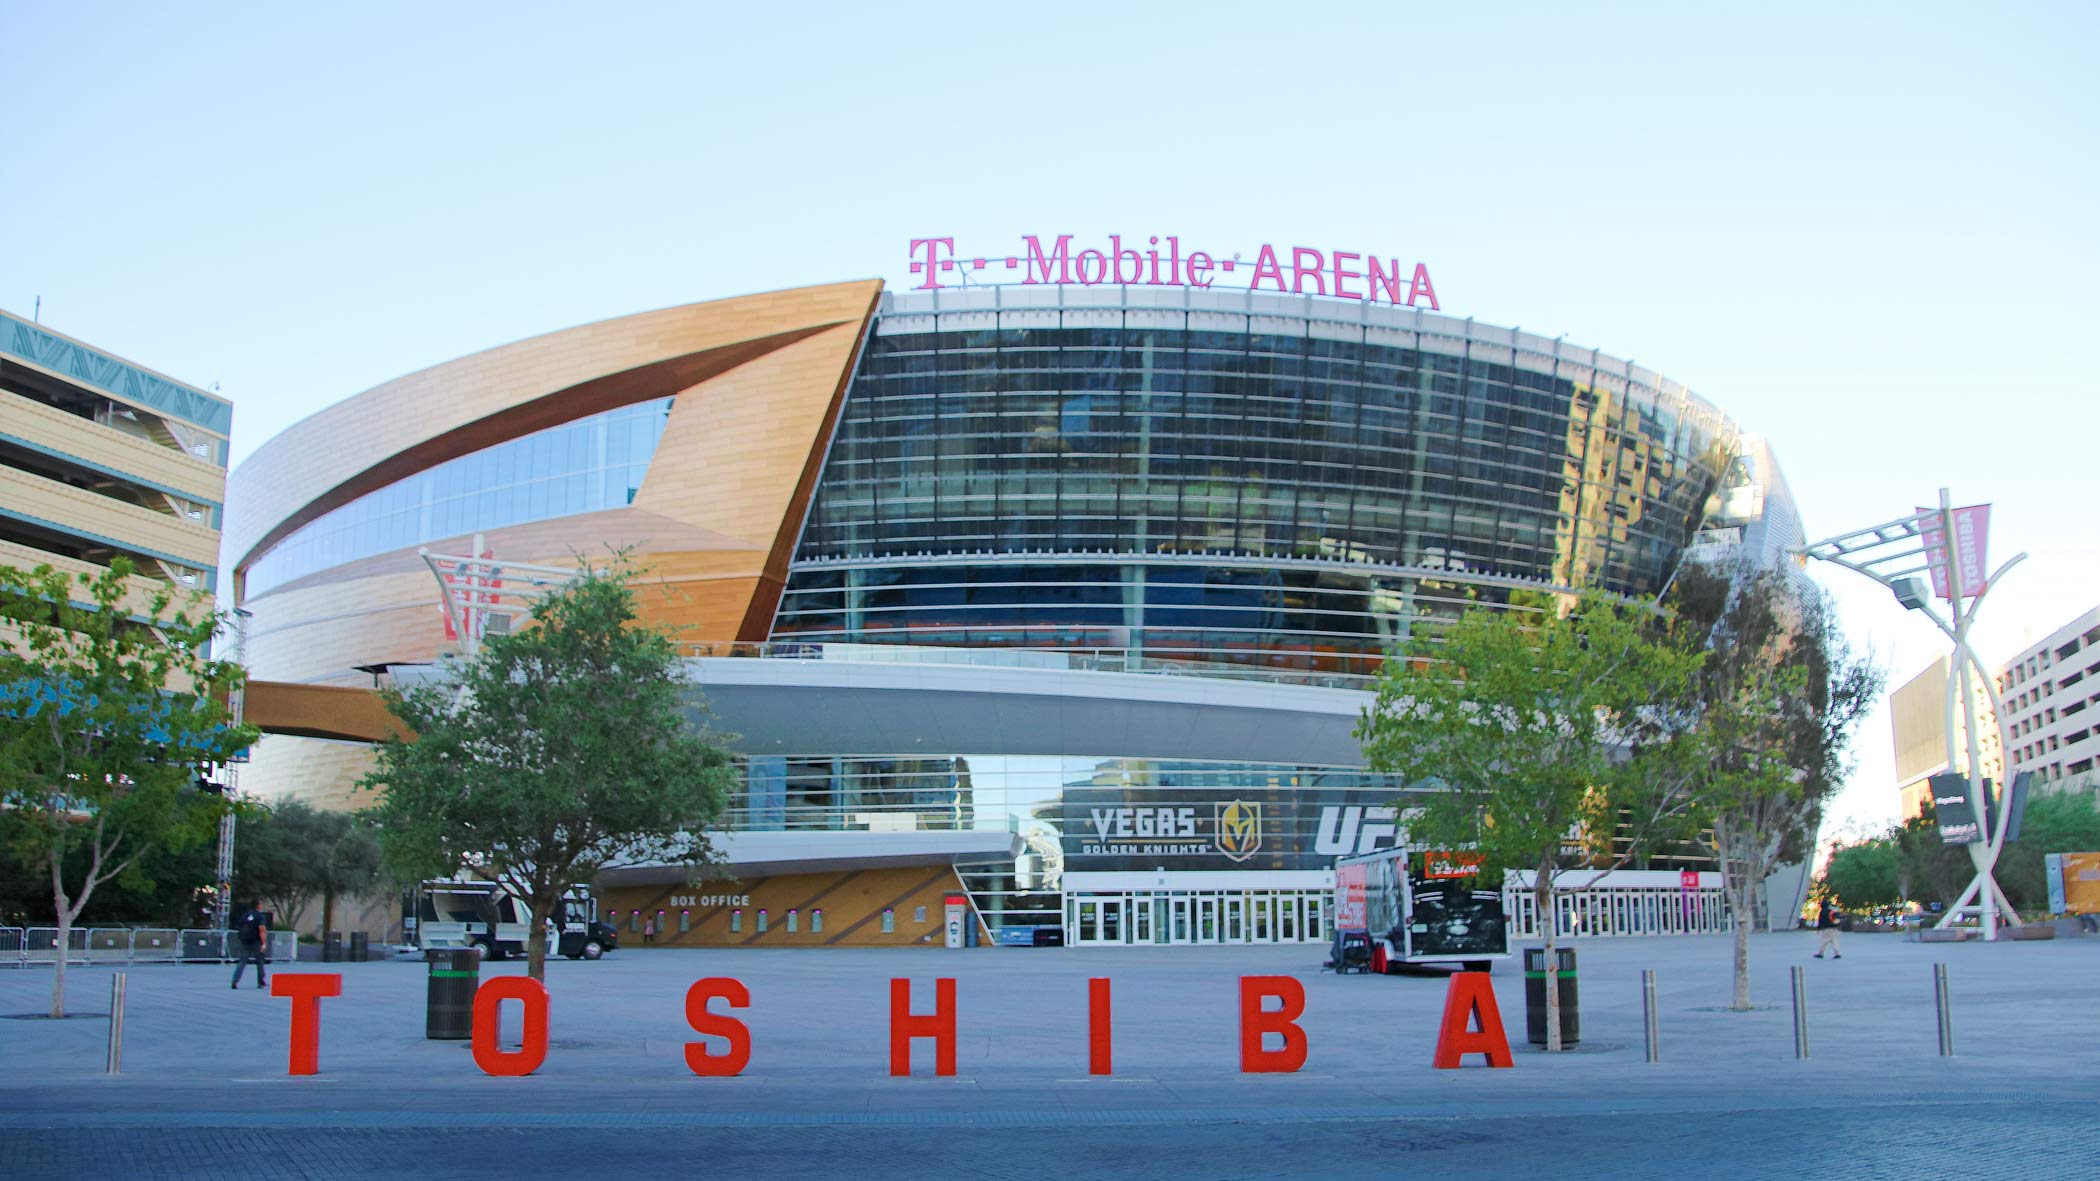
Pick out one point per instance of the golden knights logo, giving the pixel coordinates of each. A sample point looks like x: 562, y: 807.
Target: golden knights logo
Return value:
x: 1239, y: 829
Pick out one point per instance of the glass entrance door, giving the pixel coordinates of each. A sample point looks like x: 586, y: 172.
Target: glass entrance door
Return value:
x: 1198, y: 916
x: 1097, y: 921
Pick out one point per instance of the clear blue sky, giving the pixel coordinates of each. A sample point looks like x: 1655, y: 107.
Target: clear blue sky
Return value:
x: 1864, y: 230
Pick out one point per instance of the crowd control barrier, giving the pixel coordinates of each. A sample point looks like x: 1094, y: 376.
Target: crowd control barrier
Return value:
x: 29, y: 946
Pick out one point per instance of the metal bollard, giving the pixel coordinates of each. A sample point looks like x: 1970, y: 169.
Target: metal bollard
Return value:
x: 115, y: 1063
x: 1939, y: 996
x: 1648, y: 1014
x: 1800, y: 1013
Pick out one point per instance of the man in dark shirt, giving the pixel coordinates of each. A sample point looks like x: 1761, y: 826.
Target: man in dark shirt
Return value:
x: 251, y: 936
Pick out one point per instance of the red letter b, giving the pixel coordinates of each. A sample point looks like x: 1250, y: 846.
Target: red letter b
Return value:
x: 1256, y: 1021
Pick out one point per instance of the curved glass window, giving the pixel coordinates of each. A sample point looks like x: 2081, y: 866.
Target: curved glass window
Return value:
x: 578, y: 467
x: 1164, y: 487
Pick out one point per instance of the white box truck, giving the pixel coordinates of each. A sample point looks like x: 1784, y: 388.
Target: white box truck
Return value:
x: 1415, y: 906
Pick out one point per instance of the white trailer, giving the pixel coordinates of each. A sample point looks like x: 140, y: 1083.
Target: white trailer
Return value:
x: 1416, y: 906
x: 483, y: 915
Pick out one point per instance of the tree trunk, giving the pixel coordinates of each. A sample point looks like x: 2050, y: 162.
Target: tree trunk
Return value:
x: 536, y: 940
x: 1549, y: 922
x: 327, y: 917
x: 58, y: 962
x: 60, y: 906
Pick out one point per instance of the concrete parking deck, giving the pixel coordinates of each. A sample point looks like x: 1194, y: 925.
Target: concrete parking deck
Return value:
x: 204, y: 1089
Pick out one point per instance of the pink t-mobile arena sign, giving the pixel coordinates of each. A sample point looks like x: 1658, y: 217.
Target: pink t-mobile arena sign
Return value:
x: 1161, y: 262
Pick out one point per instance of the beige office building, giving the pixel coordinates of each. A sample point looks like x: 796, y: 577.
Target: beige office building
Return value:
x: 101, y: 457
x: 2051, y: 692
x: 1918, y: 715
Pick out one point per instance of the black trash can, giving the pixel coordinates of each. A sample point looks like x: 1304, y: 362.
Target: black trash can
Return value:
x: 332, y: 947
x: 360, y: 947
x: 1535, y: 995
x: 455, y: 972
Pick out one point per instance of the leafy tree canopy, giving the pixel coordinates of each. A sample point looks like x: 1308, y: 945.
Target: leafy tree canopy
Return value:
x: 559, y: 751
x: 109, y: 705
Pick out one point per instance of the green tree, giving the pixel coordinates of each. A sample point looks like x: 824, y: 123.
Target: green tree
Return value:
x: 170, y: 888
x: 1523, y: 720
x: 555, y: 753
x: 108, y: 707
x: 1933, y: 870
x: 1867, y: 873
x: 269, y: 865
x: 2057, y: 822
x: 293, y: 853
x: 1776, y: 701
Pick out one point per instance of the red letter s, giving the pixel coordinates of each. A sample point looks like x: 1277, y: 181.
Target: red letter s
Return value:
x: 719, y: 1025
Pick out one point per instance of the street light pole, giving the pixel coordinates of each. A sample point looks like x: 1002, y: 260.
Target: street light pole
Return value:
x: 1876, y: 552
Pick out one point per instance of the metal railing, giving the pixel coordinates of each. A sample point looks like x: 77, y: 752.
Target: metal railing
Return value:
x: 1610, y: 911
x: 30, y: 946
x: 1079, y: 659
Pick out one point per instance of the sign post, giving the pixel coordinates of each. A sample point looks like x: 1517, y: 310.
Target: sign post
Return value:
x: 1952, y: 544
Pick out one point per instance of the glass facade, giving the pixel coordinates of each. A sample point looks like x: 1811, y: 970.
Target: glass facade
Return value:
x: 578, y: 467
x: 1215, y: 482
x: 1081, y: 815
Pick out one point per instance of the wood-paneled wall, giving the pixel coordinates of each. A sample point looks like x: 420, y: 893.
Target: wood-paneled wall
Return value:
x: 852, y: 902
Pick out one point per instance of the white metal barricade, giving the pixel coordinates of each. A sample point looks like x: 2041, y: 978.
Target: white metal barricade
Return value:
x: 154, y: 945
x: 40, y: 945
x: 109, y: 945
x: 1625, y: 903
x: 209, y: 946
x: 24, y: 946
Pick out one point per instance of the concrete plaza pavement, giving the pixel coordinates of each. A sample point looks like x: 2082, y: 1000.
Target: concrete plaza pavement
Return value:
x: 204, y: 1090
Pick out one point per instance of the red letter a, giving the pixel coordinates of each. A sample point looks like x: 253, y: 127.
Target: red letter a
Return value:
x: 1470, y: 997
x: 938, y: 1025
x: 1255, y: 1021
x: 721, y: 1025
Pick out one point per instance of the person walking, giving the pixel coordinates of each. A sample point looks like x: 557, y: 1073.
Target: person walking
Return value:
x: 1827, y: 926
x: 251, y: 938
x: 649, y: 931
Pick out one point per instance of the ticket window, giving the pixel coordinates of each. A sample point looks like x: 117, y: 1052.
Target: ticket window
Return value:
x: 761, y: 920
x: 634, y: 922
x: 736, y: 920
x: 685, y: 921
x: 794, y: 924
x: 889, y: 921
x: 816, y: 921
